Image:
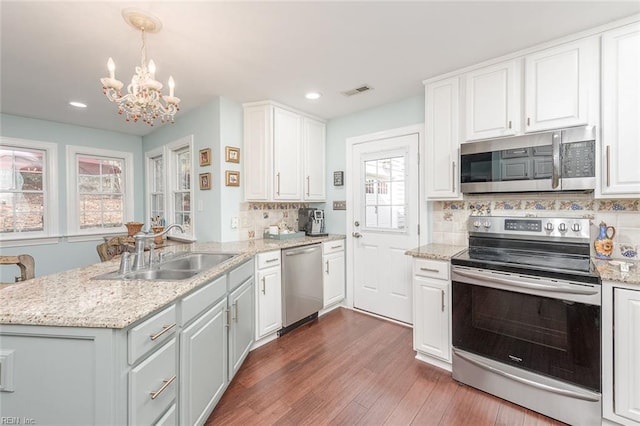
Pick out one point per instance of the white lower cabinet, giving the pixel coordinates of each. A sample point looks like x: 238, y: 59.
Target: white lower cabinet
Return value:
x: 268, y: 294
x: 203, y: 359
x: 432, y: 312
x: 240, y: 325
x: 334, y: 272
x: 626, y: 337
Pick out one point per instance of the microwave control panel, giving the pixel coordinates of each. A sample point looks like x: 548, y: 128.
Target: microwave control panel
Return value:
x: 578, y: 159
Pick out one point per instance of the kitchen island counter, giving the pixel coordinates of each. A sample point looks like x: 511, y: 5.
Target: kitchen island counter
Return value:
x: 73, y: 299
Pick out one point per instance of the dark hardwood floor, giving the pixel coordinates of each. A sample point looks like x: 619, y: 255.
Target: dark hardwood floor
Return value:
x: 350, y: 368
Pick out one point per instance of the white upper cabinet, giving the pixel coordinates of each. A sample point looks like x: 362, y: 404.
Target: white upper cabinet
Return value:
x: 621, y: 112
x: 493, y: 101
x: 287, y: 155
x: 442, y: 121
x: 559, y: 85
x: 313, y: 150
x: 284, y: 154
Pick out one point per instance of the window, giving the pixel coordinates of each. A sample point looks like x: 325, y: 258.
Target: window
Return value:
x: 385, y: 198
x: 100, y: 194
x: 155, y: 185
x: 28, y: 194
x: 180, y: 192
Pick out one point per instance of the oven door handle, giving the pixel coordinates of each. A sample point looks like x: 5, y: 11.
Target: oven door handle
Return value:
x: 586, y: 396
x: 551, y: 286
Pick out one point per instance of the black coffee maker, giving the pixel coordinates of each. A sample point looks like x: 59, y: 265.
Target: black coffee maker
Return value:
x: 311, y: 221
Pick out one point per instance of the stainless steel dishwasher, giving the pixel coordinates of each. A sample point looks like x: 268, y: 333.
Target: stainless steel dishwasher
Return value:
x: 301, y: 285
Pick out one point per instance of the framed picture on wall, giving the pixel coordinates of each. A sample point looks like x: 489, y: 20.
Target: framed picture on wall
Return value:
x: 232, y: 155
x: 205, y: 157
x: 205, y: 181
x: 232, y: 178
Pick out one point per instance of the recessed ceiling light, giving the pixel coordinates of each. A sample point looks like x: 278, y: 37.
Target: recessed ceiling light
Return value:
x: 77, y: 104
x: 312, y: 95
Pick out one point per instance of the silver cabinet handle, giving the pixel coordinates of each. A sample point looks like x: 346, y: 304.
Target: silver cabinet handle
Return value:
x: 442, y: 293
x: 271, y: 260
x: 308, y: 186
x: 608, y: 165
x: 264, y: 287
x: 235, y: 306
x: 430, y: 270
x: 278, y: 179
x: 228, y: 324
x: 165, y: 329
x: 528, y: 121
x: 327, y: 267
x: 509, y: 123
x: 335, y: 247
x: 165, y: 384
x: 356, y: 235
x: 453, y: 175
x: 555, y: 173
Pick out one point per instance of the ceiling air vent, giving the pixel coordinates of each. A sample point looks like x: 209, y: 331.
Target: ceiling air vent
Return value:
x: 358, y: 90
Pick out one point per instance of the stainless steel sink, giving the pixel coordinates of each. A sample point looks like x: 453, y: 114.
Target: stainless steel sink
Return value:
x: 196, y: 261
x: 179, y: 267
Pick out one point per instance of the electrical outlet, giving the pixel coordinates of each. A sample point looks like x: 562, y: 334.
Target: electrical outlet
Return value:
x: 339, y: 205
x: 234, y: 223
x: 200, y: 205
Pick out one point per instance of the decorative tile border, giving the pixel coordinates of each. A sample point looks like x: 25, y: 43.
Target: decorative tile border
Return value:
x: 576, y: 205
x: 508, y: 205
x: 479, y: 208
x: 540, y: 205
x: 277, y: 206
x: 452, y: 205
x: 618, y: 205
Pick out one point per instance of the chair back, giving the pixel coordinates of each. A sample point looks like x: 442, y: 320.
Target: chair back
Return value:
x: 23, y: 261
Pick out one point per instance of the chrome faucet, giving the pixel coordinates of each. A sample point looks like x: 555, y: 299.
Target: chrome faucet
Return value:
x: 140, y: 239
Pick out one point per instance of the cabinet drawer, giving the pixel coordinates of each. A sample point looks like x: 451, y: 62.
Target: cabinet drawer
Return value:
x: 152, y: 385
x: 240, y: 275
x: 268, y: 259
x: 169, y: 418
x: 431, y: 268
x: 332, y: 246
x: 199, y: 300
x: 151, y: 333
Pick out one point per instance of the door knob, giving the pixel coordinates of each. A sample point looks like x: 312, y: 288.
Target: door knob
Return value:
x: 356, y: 235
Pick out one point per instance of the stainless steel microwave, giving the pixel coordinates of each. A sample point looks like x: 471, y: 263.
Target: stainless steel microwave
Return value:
x: 561, y: 160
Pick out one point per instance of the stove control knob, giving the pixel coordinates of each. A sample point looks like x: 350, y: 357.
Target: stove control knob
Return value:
x: 562, y: 227
x: 549, y: 226
x: 576, y: 227
x: 476, y: 224
x: 487, y: 224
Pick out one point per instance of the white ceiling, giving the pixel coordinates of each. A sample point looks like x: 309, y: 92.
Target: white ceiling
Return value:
x: 53, y: 52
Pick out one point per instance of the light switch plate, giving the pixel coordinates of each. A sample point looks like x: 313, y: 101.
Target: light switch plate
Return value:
x: 339, y: 205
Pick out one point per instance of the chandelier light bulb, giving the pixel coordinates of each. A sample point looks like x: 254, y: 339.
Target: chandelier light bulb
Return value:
x: 152, y: 68
x: 172, y: 85
x: 111, y: 66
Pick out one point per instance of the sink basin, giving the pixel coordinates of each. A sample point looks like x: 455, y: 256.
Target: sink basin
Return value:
x: 196, y: 261
x: 177, y: 268
x: 159, y: 274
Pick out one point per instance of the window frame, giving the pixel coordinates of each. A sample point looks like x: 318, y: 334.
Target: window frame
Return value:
x: 51, y: 232
x: 171, y: 151
x: 149, y: 158
x: 74, y: 232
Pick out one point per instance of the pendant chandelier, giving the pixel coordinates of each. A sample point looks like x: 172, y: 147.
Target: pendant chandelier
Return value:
x: 143, y: 100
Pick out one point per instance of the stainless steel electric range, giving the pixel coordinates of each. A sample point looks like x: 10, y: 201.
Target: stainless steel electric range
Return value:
x: 526, y: 315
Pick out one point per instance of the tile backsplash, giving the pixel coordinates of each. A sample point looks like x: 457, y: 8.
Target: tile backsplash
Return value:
x: 449, y: 218
x: 255, y: 217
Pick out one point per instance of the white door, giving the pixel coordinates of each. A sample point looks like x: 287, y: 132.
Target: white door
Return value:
x: 385, y: 224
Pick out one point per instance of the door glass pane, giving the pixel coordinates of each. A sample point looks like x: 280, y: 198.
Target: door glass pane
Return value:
x: 384, y: 193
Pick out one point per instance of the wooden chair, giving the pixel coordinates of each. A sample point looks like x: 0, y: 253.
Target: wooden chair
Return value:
x: 114, y: 247
x: 26, y: 264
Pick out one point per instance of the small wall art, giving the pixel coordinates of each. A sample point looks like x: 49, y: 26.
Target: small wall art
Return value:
x: 232, y: 155
x: 205, y: 157
x: 232, y: 178
x: 205, y: 181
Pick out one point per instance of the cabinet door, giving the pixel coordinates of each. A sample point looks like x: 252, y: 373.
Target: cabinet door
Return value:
x: 493, y: 101
x: 441, y: 135
x: 287, y: 155
x: 241, y: 325
x: 313, y: 136
x: 431, y: 317
x: 203, y: 364
x: 559, y: 86
x: 269, y: 291
x: 334, y: 281
x: 620, y: 111
x: 627, y: 353
x: 257, y: 152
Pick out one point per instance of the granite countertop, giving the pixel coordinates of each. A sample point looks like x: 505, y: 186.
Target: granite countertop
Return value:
x: 609, y: 270
x: 73, y: 299
x: 435, y: 251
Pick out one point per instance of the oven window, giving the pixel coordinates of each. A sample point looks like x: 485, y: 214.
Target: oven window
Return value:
x: 554, y: 337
